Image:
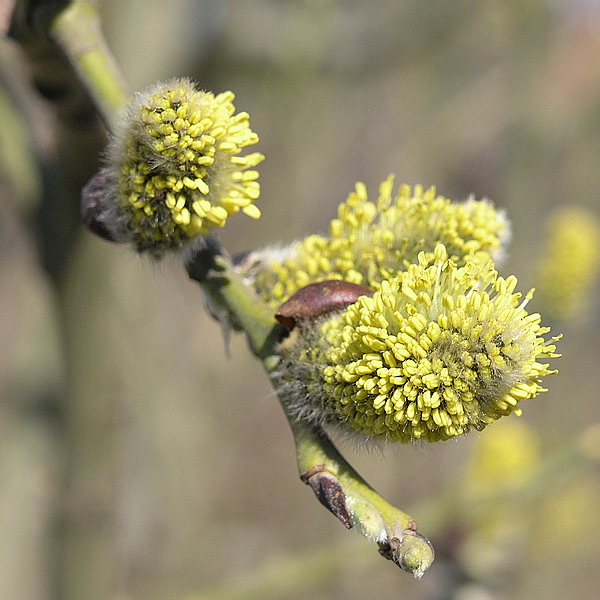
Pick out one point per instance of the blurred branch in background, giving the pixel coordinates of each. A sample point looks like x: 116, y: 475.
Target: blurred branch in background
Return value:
x: 77, y: 136
x: 64, y: 154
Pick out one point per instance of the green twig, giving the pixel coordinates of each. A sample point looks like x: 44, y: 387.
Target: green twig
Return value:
x: 350, y: 498
x: 445, y: 507
x: 229, y: 298
x: 77, y: 30
x: 335, y: 483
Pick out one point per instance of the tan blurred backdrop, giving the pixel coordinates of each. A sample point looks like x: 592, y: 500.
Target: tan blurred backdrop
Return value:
x: 139, y: 460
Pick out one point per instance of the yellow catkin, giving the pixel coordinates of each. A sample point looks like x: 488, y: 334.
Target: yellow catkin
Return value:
x: 457, y: 353
x: 177, y: 166
x: 570, y: 262
x: 370, y: 241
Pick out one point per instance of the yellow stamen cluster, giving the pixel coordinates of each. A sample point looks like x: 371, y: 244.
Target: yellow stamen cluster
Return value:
x: 178, y: 167
x: 438, y: 350
x: 570, y: 262
x: 371, y: 241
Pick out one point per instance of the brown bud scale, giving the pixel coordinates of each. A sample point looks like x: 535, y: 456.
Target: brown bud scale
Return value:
x: 318, y: 299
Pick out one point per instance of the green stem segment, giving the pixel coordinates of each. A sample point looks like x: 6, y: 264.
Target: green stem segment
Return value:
x: 77, y: 30
x: 231, y: 299
x: 356, y: 504
x: 336, y: 484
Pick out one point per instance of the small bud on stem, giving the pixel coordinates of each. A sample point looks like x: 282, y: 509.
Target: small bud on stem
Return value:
x: 319, y: 299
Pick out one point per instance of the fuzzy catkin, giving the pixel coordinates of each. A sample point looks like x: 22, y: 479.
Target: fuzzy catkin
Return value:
x: 176, y: 166
x: 437, y: 351
x: 370, y: 241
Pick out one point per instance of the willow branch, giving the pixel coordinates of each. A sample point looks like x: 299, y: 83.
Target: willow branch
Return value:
x: 77, y: 31
x: 334, y: 481
x: 337, y: 485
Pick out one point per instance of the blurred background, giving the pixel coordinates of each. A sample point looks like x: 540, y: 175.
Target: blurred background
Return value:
x: 139, y: 458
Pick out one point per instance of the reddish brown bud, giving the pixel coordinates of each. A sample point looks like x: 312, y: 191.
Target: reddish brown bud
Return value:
x: 328, y: 490
x: 318, y: 299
